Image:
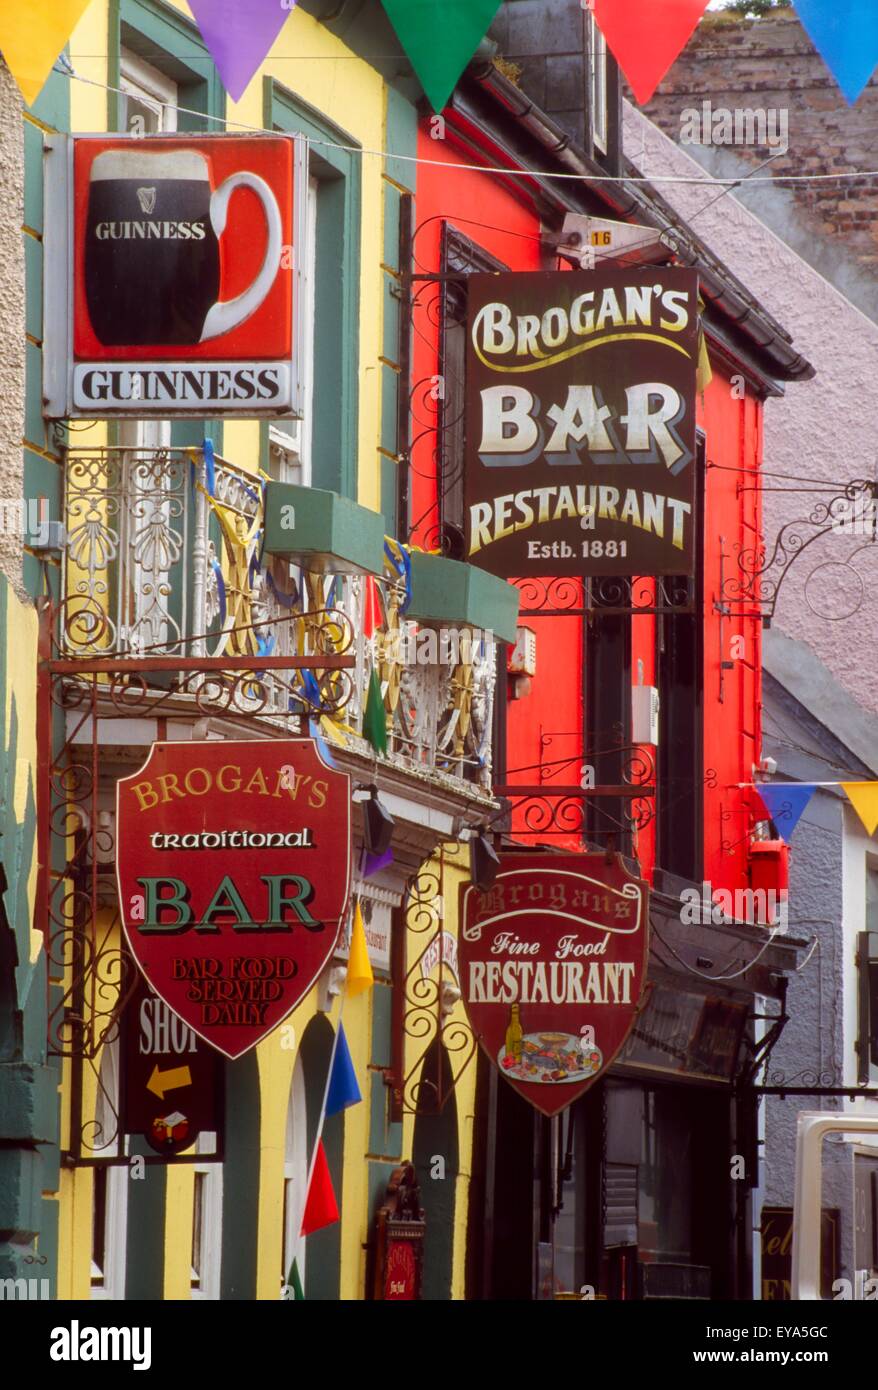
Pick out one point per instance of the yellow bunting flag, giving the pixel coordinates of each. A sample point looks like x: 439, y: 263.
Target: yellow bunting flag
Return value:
x: 33, y: 35
x: 863, y: 796
x: 359, y: 975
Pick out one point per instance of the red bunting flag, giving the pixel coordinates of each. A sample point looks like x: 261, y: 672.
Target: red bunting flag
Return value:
x: 646, y: 36
x: 321, y: 1208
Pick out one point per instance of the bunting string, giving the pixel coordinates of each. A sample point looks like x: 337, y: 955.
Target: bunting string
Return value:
x: 440, y: 37
x: 702, y: 181
x: 786, y: 802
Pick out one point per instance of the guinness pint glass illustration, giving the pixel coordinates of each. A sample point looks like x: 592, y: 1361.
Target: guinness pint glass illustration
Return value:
x: 152, y: 251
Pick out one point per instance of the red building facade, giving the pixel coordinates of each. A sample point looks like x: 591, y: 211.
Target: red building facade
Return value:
x: 633, y: 1193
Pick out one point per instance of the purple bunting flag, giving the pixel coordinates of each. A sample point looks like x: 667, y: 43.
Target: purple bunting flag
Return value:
x: 239, y: 36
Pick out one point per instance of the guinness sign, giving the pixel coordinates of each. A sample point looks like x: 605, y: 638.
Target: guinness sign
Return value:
x: 184, y: 295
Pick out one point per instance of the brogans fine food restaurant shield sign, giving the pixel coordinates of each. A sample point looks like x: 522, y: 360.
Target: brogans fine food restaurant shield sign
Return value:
x: 170, y: 275
x: 233, y: 864
x: 580, y: 422
x: 552, y: 968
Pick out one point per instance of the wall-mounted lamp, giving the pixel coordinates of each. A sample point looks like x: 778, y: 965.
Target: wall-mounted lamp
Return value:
x: 378, y: 824
x: 484, y: 862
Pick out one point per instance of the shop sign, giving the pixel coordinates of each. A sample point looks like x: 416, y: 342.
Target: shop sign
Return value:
x: 234, y: 866
x: 171, y: 1083
x: 776, y: 1231
x: 172, y: 280
x: 552, y: 967
x: 580, y: 422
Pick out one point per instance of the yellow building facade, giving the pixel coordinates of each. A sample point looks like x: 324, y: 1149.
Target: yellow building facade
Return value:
x: 202, y: 1229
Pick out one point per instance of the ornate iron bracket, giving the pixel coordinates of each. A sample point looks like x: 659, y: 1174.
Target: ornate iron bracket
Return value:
x: 761, y: 572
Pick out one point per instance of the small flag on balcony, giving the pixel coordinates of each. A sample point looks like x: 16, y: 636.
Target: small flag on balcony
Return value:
x: 343, y: 1087
x: 321, y: 1208
x: 374, y: 717
x: 359, y: 976
x: 785, y: 804
x: 372, y: 614
x: 863, y: 796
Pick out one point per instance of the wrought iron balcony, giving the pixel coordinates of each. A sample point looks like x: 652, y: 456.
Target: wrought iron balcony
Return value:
x: 168, y: 599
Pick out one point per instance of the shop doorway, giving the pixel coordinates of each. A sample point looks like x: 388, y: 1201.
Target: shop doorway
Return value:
x: 435, y: 1154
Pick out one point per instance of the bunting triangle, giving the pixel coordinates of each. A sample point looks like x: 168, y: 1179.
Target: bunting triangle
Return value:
x: 439, y: 38
x: 359, y: 976
x: 845, y: 34
x: 374, y: 716
x: 645, y: 36
x: 863, y: 796
x: 33, y: 35
x: 239, y: 36
x: 321, y: 1208
x: 785, y: 805
x: 343, y: 1089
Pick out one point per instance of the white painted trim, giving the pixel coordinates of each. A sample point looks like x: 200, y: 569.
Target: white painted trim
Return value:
x: 112, y: 1286
x: 151, y: 87
x: 208, y: 1288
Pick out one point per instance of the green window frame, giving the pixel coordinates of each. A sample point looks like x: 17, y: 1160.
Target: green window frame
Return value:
x: 169, y: 41
x: 335, y: 399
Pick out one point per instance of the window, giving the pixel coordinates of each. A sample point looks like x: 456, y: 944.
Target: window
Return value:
x: 598, y: 105
x: 110, y: 1187
x: 325, y: 450
x: 148, y: 105
x: 289, y: 443
x: 207, y: 1219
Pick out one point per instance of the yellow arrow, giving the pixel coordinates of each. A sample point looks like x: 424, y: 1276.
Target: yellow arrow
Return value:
x: 162, y: 1081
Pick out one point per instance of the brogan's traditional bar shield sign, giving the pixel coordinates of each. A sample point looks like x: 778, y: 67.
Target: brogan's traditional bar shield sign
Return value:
x: 553, y: 964
x: 234, y: 864
x: 580, y: 422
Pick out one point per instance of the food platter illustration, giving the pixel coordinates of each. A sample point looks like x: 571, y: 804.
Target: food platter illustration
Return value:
x: 557, y: 1058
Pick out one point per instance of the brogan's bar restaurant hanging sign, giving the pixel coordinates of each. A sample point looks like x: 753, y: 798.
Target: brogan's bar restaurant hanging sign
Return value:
x: 552, y: 968
x: 234, y: 868
x: 172, y: 274
x: 580, y: 422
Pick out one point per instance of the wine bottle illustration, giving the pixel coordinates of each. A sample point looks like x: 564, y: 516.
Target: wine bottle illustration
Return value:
x: 514, y: 1035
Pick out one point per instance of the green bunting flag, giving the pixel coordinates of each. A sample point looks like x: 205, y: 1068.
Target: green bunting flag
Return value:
x: 295, y: 1284
x: 439, y: 38
x: 374, y: 718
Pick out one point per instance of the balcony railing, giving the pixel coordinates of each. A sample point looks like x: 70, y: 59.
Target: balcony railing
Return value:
x: 164, y: 560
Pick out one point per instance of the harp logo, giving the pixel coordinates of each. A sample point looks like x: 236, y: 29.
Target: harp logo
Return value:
x: 146, y: 199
